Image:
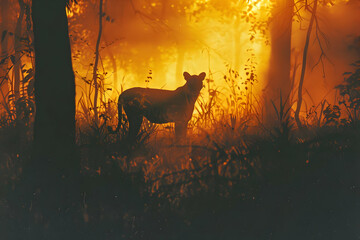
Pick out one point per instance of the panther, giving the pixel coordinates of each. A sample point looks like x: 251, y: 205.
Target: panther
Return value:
x: 160, y: 106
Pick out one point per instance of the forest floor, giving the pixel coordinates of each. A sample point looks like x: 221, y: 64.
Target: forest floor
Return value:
x: 228, y: 184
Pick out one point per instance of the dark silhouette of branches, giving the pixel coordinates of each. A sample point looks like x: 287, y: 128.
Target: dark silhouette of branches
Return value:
x: 95, y: 75
x: 321, y: 35
x: 303, y: 67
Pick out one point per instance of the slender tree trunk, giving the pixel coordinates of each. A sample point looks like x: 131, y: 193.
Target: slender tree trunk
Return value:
x: 18, y: 47
x: 303, y: 67
x: 279, y: 68
x: 95, y: 78
x: 53, y: 172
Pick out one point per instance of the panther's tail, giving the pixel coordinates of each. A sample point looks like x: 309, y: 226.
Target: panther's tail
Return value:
x: 120, y: 118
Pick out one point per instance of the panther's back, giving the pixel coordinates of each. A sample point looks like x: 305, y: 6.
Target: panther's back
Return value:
x: 151, y: 95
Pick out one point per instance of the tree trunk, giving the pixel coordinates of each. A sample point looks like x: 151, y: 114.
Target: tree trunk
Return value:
x: 303, y: 67
x: 278, y: 79
x: 95, y: 78
x: 52, y: 174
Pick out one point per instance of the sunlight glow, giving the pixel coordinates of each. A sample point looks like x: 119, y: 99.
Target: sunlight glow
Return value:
x: 167, y: 40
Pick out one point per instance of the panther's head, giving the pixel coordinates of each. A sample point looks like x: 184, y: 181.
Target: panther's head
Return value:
x: 195, y: 82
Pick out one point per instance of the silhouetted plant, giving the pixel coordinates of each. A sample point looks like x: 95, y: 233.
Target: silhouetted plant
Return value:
x: 332, y: 114
x: 350, y: 93
x: 236, y: 100
x: 284, y: 127
x: 206, y: 109
x: 22, y: 107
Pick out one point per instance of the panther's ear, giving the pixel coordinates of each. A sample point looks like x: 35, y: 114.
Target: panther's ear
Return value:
x: 202, y: 76
x: 186, y: 76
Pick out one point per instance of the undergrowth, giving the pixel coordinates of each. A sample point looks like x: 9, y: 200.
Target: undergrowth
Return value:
x: 234, y: 177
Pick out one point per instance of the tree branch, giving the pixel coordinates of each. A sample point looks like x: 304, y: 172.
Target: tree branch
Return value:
x: 95, y: 78
x: 303, y: 67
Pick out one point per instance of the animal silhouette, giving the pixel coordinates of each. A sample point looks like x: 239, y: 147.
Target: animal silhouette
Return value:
x: 160, y: 106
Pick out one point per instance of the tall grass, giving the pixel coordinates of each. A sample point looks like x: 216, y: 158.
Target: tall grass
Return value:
x: 231, y: 168
x: 228, y: 142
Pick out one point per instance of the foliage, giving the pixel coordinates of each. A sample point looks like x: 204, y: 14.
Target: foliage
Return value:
x: 350, y: 93
x: 159, y: 189
x: 332, y: 114
x: 229, y: 170
x: 20, y: 108
x: 284, y: 126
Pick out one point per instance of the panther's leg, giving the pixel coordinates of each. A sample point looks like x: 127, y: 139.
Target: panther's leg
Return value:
x: 135, y: 119
x: 180, y: 131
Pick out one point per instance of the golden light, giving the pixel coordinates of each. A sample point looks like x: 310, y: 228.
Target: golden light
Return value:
x: 258, y: 4
x: 168, y: 38
x: 197, y: 40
